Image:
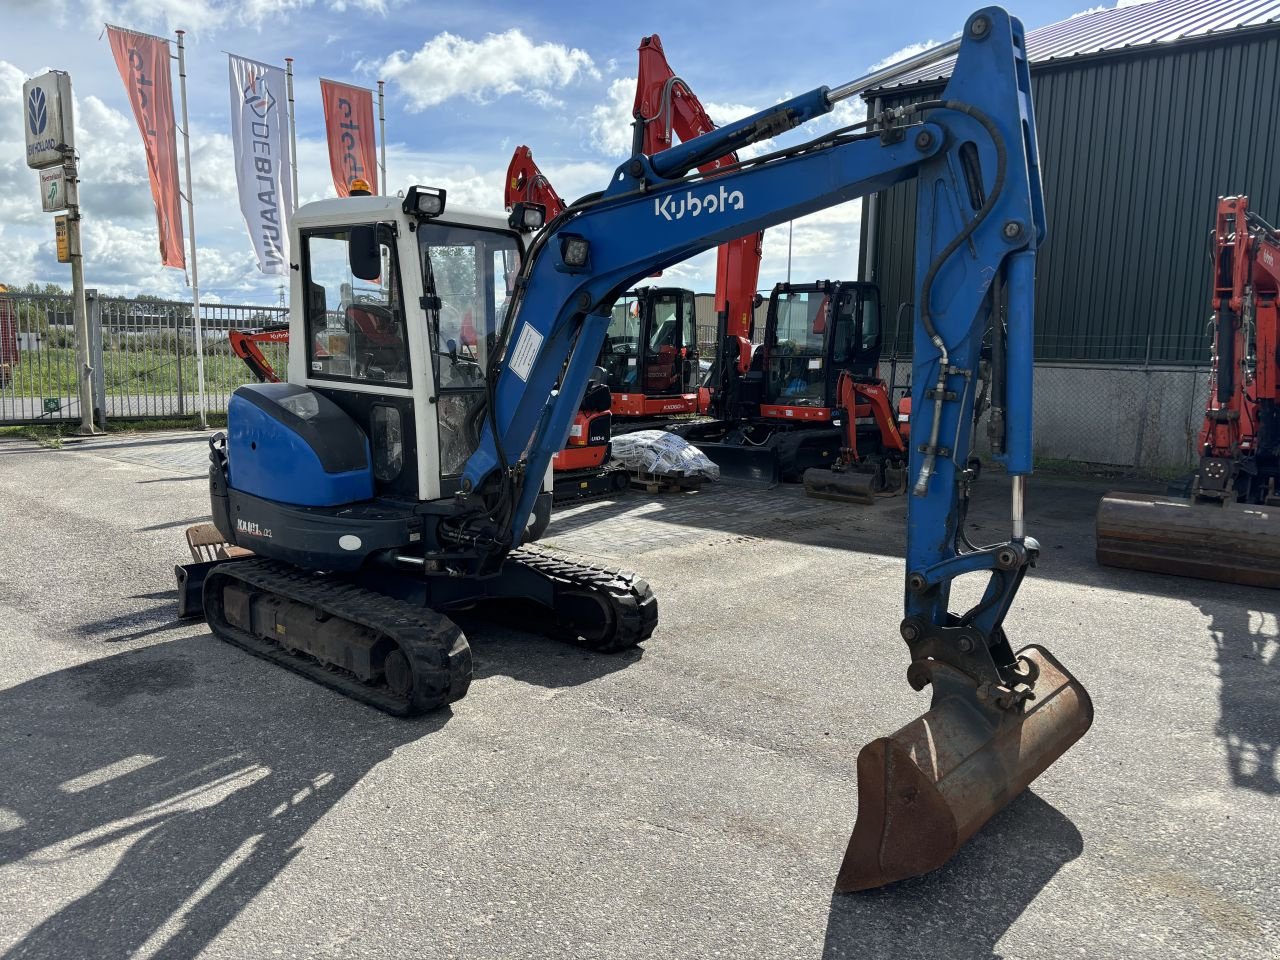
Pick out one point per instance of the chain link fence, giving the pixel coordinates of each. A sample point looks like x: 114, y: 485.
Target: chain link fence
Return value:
x: 142, y: 352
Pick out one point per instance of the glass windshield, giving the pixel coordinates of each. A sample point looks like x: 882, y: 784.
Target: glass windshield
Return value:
x: 805, y: 321
x: 796, y: 357
x: 355, y: 327
x: 471, y: 273
x: 619, y: 357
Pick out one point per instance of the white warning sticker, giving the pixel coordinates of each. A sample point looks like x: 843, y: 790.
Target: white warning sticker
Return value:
x: 526, y: 351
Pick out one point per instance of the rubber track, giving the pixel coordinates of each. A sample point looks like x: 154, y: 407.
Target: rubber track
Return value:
x: 633, y: 607
x: 438, y: 650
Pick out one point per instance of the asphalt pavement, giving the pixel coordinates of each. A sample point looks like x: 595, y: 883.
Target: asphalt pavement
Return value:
x: 165, y: 795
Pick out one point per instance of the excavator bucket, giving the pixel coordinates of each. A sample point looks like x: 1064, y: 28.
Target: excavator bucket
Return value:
x: 844, y: 485
x: 926, y: 789
x: 755, y: 466
x: 1232, y: 543
x: 855, y: 485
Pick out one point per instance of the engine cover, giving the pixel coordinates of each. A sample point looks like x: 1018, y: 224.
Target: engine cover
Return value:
x: 291, y: 445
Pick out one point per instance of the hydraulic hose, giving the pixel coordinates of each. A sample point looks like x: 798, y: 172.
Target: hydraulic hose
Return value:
x: 944, y: 360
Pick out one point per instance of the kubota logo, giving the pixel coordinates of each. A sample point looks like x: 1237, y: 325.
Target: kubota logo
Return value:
x: 37, y: 112
x: 672, y: 209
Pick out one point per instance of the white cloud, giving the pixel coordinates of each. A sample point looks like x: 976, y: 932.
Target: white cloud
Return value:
x: 196, y: 16
x: 609, y: 123
x: 910, y: 50
x: 501, y: 64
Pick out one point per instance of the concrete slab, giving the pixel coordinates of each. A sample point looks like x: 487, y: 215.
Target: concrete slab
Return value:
x: 166, y: 795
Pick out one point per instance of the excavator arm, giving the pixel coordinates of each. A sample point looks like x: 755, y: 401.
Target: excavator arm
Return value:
x: 527, y: 184
x: 665, y: 105
x: 246, y: 347
x: 998, y: 718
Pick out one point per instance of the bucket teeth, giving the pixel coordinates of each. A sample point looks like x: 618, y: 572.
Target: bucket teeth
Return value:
x: 926, y: 789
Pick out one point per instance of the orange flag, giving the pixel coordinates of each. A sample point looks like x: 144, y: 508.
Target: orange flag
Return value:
x: 348, y: 120
x: 143, y: 61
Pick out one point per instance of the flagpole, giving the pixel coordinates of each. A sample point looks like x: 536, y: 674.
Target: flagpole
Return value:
x: 293, y: 129
x: 382, y: 136
x: 191, y: 236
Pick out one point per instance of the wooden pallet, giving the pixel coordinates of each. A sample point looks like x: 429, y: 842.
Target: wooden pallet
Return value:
x: 664, y: 483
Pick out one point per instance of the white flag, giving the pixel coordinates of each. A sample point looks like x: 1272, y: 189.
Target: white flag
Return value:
x: 261, y: 142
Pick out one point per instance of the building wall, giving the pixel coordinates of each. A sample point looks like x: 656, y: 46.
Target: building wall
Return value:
x: 1135, y: 150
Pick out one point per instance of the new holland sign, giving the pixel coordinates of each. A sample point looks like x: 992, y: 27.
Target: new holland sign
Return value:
x: 46, y: 119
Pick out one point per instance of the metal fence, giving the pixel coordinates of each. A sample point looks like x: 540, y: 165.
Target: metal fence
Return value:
x: 1142, y: 415
x: 142, y: 353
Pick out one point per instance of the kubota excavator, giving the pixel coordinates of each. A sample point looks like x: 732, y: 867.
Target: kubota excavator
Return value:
x: 248, y: 347
x: 1228, y: 528
x: 379, y: 494
x: 812, y: 406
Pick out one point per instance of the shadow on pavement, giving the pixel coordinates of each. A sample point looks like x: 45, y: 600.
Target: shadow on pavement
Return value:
x: 1248, y: 658
x: 502, y: 649
x: 961, y: 911
x: 207, y: 775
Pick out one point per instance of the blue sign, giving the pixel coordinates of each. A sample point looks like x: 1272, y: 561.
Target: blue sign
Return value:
x: 37, y: 111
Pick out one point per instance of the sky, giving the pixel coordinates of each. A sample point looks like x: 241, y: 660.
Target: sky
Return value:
x: 466, y: 83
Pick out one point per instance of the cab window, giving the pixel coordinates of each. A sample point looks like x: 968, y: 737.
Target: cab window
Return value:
x: 469, y: 276
x: 355, y: 328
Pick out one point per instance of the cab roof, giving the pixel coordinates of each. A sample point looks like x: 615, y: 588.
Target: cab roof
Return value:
x: 338, y: 210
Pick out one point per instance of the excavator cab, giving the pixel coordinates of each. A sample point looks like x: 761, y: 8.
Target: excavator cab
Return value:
x: 814, y: 333
x: 650, y: 353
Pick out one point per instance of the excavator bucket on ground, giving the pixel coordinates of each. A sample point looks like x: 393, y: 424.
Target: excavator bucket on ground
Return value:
x: 926, y: 789
x: 846, y: 485
x: 854, y: 485
x: 754, y: 466
x: 1231, y: 543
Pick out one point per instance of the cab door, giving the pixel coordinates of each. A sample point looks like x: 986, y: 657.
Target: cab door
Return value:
x: 355, y: 345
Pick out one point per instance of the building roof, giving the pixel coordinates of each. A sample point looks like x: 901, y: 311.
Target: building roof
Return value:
x: 1121, y: 28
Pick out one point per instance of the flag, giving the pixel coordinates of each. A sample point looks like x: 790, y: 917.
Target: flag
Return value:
x: 143, y: 62
x: 348, y: 121
x: 260, y: 139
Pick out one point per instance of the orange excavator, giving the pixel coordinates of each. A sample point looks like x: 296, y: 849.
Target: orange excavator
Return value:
x: 1228, y: 527
x: 651, y: 357
x: 248, y: 347
x: 812, y: 407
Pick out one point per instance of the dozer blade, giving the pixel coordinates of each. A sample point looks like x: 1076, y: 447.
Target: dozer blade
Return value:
x: 758, y: 466
x: 844, y: 485
x: 929, y: 787
x: 1232, y: 543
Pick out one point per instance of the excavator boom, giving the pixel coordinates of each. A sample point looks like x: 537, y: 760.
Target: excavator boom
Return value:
x: 999, y: 716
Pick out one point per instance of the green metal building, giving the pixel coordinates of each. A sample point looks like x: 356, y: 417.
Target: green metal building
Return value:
x: 1146, y: 115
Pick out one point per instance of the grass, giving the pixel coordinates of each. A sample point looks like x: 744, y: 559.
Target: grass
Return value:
x: 51, y: 372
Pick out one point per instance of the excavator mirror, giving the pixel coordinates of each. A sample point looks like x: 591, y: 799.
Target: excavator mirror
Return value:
x: 363, y: 252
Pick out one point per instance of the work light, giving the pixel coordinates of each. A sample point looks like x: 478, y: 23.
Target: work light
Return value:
x: 527, y: 217
x: 424, y: 202
x: 574, y: 251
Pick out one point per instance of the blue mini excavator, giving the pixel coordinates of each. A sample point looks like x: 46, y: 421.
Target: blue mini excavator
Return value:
x: 436, y: 364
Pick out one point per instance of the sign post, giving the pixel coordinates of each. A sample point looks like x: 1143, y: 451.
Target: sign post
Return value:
x: 49, y: 125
